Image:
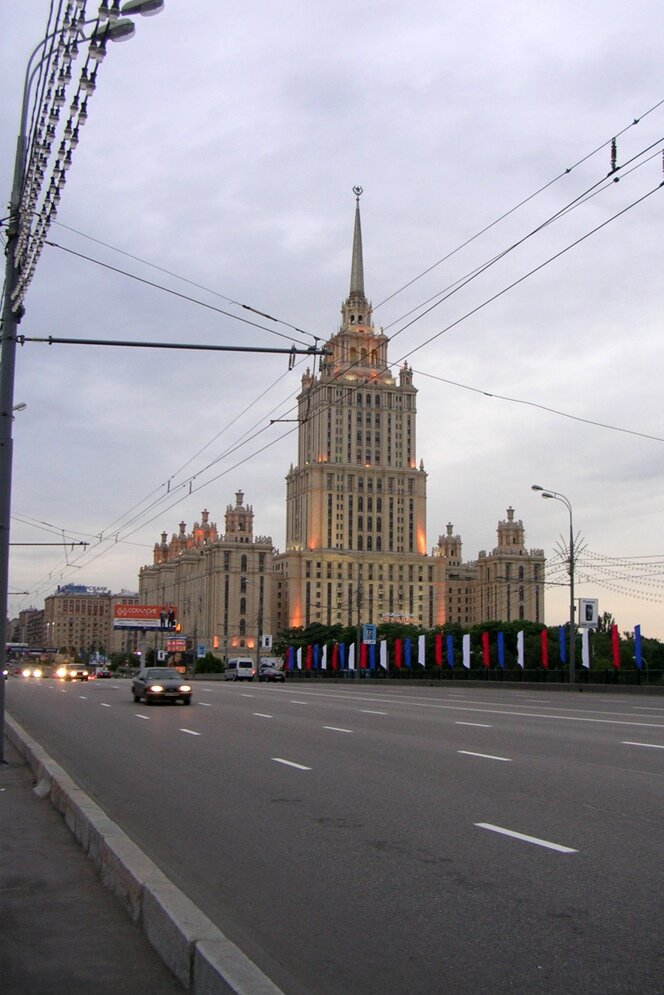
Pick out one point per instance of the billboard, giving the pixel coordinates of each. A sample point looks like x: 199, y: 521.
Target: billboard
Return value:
x: 588, y: 613
x: 144, y: 617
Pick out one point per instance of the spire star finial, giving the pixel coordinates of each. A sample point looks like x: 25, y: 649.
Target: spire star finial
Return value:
x: 358, y: 191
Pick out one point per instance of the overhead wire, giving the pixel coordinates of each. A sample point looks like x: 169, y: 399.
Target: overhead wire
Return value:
x: 206, y: 483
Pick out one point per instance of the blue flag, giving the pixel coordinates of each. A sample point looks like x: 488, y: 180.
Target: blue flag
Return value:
x: 406, y: 652
x: 449, y: 644
x: 638, y: 659
x: 561, y: 643
x: 372, y: 656
x: 501, y: 650
x: 342, y: 656
x: 316, y: 653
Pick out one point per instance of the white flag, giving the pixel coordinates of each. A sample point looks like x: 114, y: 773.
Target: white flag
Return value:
x: 383, y: 654
x: 299, y: 658
x: 519, y: 648
x: 465, y: 645
x: 585, y: 648
x: 323, y: 659
x: 351, y: 656
x: 420, y: 651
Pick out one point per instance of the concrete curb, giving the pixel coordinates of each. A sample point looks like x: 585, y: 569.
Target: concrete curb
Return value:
x: 204, y: 961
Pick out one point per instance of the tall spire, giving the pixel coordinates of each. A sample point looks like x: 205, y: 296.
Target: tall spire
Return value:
x: 357, y: 265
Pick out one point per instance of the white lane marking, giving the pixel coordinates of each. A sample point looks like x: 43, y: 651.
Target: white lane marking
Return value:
x: 648, y: 708
x: 243, y: 694
x: 336, y: 729
x: 526, y: 839
x: 104, y: 705
x: 467, y: 707
x: 652, y: 746
x: 485, y: 756
x: 294, y: 702
x: 290, y: 763
x: 206, y: 704
x: 83, y: 697
x: 477, y: 725
x: 369, y: 711
x: 262, y: 715
x: 139, y: 716
x: 191, y: 732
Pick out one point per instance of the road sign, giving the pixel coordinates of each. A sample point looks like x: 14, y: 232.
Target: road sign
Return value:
x: 369, y: 633
x: 200, y: 651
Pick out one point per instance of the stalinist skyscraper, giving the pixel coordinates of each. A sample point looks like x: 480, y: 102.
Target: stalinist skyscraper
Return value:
x: 356, y: 499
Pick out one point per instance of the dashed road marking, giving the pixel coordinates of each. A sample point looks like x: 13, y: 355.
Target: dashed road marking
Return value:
x: 526, y: 839
x: 290, y: 763
x: 262, y: 715
x: 652, y: 746
x: 370, y: 711
x: 336, y: 729
x: 476, y: 725
x: 485, y: 756
x: 190, y: 732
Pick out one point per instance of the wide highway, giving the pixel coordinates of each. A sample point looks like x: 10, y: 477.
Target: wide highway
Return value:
x: 356, y: 839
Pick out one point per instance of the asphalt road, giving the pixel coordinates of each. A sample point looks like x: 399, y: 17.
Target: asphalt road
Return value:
x: 360, y: 839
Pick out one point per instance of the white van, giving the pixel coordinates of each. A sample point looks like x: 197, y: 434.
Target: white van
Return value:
x: 240, y: 669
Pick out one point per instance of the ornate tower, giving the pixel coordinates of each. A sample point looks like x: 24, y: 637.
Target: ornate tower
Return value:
x: 356, y: 499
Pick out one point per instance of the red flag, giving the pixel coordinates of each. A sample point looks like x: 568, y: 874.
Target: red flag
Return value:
x: 397, y: 654
x: 335, y: 656
x: 615, y: 646
x: 363, y: 656
x: 307, y: 663
x: 438, y: 649
x: 544, y: 637
x: 485, y: 649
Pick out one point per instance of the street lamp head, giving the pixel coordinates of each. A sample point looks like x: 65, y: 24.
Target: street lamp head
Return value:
x: 119, y: 30
x: 148, y: 8
x: 536, y: 487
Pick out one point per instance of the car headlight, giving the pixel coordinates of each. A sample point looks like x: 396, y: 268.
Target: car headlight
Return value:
x: 36, y: 672
x: 86, y: 673
x: 27, y: 672
x: 156, y: 688
x: 185, y: 687
x: 61, y: 672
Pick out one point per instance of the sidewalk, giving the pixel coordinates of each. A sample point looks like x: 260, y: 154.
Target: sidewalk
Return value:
x: 62, y: 932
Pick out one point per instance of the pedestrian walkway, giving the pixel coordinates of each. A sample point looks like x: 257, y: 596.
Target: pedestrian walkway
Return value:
x: 61, y: 931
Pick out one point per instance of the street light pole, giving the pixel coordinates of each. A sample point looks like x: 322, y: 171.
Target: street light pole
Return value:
x: 27, y: 227
x: 556, y: 496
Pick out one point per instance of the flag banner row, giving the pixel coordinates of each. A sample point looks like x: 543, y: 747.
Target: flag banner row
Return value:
x: 412, y: 653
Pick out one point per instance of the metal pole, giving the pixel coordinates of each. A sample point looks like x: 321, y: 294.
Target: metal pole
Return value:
x: 572, y: 639
x: 10, y: 321
x: 556, y: 496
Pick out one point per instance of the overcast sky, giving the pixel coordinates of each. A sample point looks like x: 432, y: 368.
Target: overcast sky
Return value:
x: 222, y: 146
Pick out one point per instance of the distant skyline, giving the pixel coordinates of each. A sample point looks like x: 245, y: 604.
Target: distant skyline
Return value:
x: 222, y: 145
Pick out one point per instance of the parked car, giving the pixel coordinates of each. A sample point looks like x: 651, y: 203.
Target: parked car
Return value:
x: 103, y: 673
x: 270, y: 673
x: 72, y: 672
x: 160, y: 684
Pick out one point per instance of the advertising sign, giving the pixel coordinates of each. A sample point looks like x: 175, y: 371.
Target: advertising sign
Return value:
x: 143, y: 617
x: 588, y: 612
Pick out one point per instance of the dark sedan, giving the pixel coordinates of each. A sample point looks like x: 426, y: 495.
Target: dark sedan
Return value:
x: 269, y: 673
x: 160, y: 684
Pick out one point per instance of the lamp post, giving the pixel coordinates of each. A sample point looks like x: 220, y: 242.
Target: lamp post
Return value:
x: 33, y: 208
x: 556, y: 496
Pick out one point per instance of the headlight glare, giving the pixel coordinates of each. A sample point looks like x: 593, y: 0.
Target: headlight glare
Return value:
x: 156, y: 688
x: 185, y: 687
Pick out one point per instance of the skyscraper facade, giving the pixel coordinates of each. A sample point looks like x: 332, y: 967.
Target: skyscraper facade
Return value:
x: 356, y: 547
